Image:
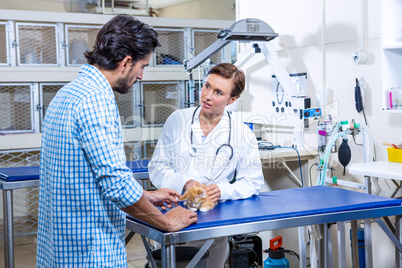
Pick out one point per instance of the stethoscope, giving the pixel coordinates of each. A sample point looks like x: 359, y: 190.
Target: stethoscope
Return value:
x: 193, y: 151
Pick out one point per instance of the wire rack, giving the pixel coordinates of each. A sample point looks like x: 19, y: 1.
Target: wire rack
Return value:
x: 3, y: 44
x: 25, y: 200
x: 37, y: 44
x: 16, y: 107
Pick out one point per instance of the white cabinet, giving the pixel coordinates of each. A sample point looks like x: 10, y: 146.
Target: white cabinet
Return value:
x: 392, y: 53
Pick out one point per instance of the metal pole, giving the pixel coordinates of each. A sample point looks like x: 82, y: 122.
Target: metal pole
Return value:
x: 368, y: 243
x: 341, y: 245
x: 398, y: 255
x: 355, y: 245
x: 8, y: 228
x: 302, y: 247
x: 169, y: 256
x: 325, y: 236
x: 329, y: 247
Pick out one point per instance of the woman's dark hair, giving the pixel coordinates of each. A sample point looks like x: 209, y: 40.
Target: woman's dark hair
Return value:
x: 230, y: 71
x: 120, y: 37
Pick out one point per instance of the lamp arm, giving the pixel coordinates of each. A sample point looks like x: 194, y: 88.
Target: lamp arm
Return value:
x: 205, y: 54
x: 278, y: 69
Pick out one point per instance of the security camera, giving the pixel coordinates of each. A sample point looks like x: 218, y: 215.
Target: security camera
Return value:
x: 360, y: 57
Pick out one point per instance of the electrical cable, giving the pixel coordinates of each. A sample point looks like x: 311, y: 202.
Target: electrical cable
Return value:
x: 278, y: 146
x: 298, y: 155
x: 255, y: 256
x: 262, y: 145
x: 292, y: 252
x: 364, y: 115
x: 311, y: 181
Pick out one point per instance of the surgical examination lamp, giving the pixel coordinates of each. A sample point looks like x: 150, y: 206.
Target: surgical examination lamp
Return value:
x: 247, y: 30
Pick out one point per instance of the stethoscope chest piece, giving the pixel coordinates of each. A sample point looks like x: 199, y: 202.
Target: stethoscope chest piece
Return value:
x: 193, y: 151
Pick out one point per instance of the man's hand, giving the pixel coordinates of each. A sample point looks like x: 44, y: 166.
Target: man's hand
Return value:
x: 172, y: 221
x: 179, y: 218
x: 213, y: 192
x: 163, y: 198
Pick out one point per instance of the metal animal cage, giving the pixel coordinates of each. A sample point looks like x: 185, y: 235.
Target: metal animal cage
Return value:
x: 37, y: 44
x: 172, y: 50
x: 16, y: 108
x: 148, y: 148
x: 3, y: 44
x: 159, y: 100
x: 204, y: 38
x: 47, y: 93
x: 79, y: 38
x: 125, y: 104
x: 25, y: 200
x: 133, y: 150
x: 193, y: 95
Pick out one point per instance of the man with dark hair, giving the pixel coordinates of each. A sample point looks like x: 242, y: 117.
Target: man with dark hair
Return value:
x: 86, y: 188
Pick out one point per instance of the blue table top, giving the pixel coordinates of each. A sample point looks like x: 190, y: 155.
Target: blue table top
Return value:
x: 19, y: 173
x: 289, y: 203
x: 32, y: 173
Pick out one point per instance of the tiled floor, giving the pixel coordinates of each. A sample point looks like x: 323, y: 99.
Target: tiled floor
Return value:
x: 25, y: 252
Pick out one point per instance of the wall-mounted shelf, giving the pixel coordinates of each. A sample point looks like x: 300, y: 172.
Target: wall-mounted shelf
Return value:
x: 392, y: 46
x: 392, y: 111
x: 392, y: 51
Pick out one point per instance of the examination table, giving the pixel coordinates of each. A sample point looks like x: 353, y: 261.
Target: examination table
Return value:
x: 275, y: 210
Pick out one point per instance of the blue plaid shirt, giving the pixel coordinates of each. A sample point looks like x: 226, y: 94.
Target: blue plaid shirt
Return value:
x: 84, y: 179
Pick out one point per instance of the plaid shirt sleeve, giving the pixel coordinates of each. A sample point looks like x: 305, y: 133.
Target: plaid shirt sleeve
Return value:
x: 99, y: 134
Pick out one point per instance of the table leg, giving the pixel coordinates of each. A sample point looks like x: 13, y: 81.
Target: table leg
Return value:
x: 148, y: 250
x: 169, y: 256
x: 355, y: 245
x: 368, y: 243
x: 302, y: 247
x: 329, y: 247
x: 341, y: 245
x: 8, y: 228
x: 325, y: 253
x: 398, y: 234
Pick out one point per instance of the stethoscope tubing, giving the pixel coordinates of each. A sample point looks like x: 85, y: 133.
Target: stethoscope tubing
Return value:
x: 193, y: 150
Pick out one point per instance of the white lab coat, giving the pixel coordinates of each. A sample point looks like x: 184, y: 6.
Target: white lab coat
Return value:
x: 172, y: 166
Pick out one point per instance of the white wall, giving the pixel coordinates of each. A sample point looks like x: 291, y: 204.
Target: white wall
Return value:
x: 201, y: 9
x: 196, y: 9
x: 36, y: 5
x: 299, y: 24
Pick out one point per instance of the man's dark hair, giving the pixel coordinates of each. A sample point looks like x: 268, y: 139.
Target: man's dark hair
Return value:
x: 120, y: 37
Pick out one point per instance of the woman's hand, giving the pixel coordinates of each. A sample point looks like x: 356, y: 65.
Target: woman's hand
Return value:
x: 163, y: 198
x: 190, y: 183
x: 213, y: 192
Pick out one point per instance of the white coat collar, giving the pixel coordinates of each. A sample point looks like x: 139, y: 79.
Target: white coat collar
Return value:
x: 223, y: 123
